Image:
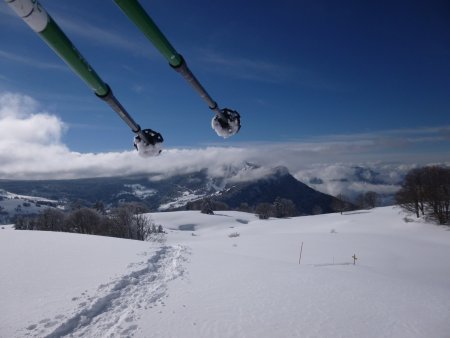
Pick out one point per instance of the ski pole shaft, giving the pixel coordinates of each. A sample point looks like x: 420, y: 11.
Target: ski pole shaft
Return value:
x: 43, y: 24
x: 112, y: 101
x: 32, y: 12
x: 137, y: 14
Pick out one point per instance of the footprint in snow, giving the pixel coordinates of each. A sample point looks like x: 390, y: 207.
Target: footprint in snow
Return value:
x: 128, y: 293
x: 32, y: 327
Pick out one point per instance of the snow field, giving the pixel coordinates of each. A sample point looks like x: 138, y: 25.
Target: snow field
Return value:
x: 253, y: 286
x: 55, y: 284
x: 203, y: 283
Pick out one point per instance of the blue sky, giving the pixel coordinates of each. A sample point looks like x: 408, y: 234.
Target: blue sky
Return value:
x: 299, y: 72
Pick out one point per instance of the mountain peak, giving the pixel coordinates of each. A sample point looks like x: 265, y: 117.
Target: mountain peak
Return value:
x: 281, y: 171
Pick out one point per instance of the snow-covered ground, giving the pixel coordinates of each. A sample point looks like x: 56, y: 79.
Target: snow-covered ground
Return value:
x: 139, y: 191
x: 12, y: 204
x: 232, y: 275
x: 180, y: 201
x: 10, y: 195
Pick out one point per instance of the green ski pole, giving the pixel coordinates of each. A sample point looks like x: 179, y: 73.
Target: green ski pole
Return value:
x: 226, y: 122
x: 147, y: 141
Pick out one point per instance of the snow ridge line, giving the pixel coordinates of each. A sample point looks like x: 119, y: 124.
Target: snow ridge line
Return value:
x: 107, y: 315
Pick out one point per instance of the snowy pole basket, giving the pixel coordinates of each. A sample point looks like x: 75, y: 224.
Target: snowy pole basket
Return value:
x: 226, y: 123
x: 148, y: 143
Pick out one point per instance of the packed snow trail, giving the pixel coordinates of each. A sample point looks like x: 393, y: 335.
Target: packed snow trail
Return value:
x: 119, y: 303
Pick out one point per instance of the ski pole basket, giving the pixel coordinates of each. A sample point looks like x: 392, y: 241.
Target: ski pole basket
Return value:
x: 148, y: 143
x: 226, y: 123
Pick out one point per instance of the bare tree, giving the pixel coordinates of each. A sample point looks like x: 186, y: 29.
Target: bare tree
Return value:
x: 359, y: 201
x: 143, y: 226
x: 437, y: 193
x: 284, y: 207
x: 207, y: 207
x: 426, y: 192
x: 128, y: 221
x: 100, y: 207
x: 340, y: 203
x: 24, y: 223
x: 51, y: 220
x: 371, y: 199
x: 84, y: 221
x: 367, y: 200
x: 122, y: 225
x: 264, y: 210
x: 411, y: 195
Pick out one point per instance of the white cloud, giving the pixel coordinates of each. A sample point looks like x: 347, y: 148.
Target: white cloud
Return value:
x: 31, y: 147
x: 22, y: 128
x: 16, y: 105
x: 351, y: 179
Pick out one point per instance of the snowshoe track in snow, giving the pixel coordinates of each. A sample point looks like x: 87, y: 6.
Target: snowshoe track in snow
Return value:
x: 118, y: 305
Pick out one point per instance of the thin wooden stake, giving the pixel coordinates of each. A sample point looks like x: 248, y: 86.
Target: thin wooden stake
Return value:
x: 301, y: 250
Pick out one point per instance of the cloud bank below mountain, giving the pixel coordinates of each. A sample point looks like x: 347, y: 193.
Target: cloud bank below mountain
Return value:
x: 32, y: 147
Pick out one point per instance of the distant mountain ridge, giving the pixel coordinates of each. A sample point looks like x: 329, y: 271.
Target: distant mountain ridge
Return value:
x: 248, y: 183
x: 279, y: 184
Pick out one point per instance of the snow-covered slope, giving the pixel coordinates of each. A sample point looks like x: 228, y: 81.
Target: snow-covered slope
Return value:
x: 12, y: 204
x: 9, y: 195
x: 232, y: 275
